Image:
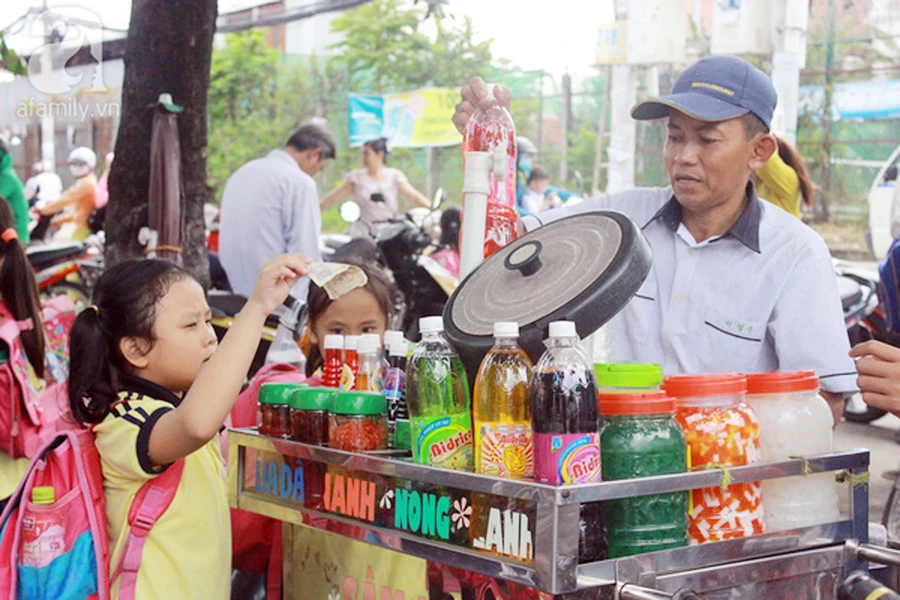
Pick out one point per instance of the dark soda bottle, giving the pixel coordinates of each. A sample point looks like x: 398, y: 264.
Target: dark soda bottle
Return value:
x: 566, y: 433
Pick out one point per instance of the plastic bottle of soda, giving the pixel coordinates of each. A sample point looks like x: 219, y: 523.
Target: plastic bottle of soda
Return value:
x: 438, y: 396
x: 395, y: 392
x: 333, y: 365
x: 490, y: 129
x: 501, y: 408
x: 564, y: 419
x: 43, y: 532
x: 368, y: 378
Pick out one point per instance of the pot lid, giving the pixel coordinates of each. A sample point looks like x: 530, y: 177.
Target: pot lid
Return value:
x: 584, y: 268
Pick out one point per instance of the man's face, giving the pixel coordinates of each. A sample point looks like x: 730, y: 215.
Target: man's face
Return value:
x: 311, y: 162
x: 709, y: 163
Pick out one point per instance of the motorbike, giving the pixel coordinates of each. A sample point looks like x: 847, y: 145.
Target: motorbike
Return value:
x: 864, y: 320
x: 64, y: 269
x: 401, y: 245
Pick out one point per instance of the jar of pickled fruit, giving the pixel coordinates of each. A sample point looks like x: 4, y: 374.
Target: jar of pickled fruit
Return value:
x: 794, y: 421
x: 358, y: 421
x: 640, y: 438
x: 721, y: 431
x: 275, y: 410
x: 309, y: 415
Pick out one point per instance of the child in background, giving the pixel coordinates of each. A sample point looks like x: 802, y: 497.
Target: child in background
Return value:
x: 536, y: 199
x: 147, y: 375
x: 448, y: 255
x: 19, y: 293
x: 366, y: 309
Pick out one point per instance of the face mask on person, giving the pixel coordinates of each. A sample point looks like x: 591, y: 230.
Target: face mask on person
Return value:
x: 525, y: 166
x: 78, y: 170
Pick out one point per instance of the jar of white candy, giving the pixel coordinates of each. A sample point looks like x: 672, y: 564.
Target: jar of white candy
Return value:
x: 794, y: 421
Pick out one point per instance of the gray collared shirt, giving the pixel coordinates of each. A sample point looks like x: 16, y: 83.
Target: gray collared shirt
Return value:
x: 762, y: 297
x: 269, y: 207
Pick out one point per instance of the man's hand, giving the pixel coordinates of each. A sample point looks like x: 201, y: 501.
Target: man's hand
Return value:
x: 472, y: 94
x: 878, y: 366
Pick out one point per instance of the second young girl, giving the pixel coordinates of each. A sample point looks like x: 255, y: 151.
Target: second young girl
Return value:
x: 146, y: 372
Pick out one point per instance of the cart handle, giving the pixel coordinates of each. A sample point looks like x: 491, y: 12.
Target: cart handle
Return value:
x: 878, y: 554
x: 631, y: 591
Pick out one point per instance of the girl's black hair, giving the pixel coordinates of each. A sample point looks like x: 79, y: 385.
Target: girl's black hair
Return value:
x: 450, y: 224
x: 379, y: 285
x: 380, y: 146
x: 20, y: 292
x: 125, y: 300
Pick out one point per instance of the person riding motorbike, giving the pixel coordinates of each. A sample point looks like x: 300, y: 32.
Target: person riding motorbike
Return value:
x: 11, y: 189
x: 72, y: 211
x: 526, y: 153
x: 44, y: 186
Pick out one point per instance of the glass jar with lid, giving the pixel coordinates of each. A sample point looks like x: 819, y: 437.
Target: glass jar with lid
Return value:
x: 721, y: 431
x: 274, y: 408
x: 641, y: 438
x: 619, y: 378
x: 358, y: 421
x: 794, y: 421
x: 309, y: 415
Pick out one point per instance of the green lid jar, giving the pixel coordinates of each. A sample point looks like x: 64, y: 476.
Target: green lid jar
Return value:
x: 274, y: 416
x: 626, y: 377
x: 358, y: 421
x: 309, y: 414
x: 278, y: 393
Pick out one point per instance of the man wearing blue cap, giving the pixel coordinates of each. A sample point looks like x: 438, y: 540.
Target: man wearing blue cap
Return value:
x: 737, y: 284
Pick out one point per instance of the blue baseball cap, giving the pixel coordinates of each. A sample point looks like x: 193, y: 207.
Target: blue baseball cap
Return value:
x: 715, y: 88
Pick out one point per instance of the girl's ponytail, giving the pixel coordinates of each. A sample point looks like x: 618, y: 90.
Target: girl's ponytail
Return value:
x: 91, y: 386
x: 19, y: 289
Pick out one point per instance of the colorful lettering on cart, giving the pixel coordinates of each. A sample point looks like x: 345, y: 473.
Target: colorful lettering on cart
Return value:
x: 279, y: 480
x: 422, y: 513
x: 350, y: 497
x: 509, y: 533
x: 567, y: 458
x: 444, y: 442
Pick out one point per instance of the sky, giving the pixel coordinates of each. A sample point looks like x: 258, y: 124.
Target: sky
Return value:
x: 555, y: 39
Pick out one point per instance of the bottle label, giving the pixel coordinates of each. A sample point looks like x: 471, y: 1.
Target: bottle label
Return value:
x: 43, y: 539
x: 444, y: 441
x: 398, y: 412
x: 567, y: 458
x: 505, y: 449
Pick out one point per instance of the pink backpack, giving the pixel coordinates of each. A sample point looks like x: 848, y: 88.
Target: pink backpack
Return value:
x: 72, y: 556
x: 33, y: 410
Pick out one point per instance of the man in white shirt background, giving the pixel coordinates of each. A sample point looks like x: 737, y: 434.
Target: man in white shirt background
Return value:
x: 270, y: 206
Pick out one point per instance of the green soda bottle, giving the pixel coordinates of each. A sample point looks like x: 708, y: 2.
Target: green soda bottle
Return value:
x: 437, y: 393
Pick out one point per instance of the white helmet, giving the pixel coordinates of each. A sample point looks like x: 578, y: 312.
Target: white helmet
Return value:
x: 84, y: 156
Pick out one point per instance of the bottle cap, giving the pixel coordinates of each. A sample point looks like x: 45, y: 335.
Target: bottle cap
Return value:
x: 506, y: 329
x: 655, y: 403
x: 359, y: 403
x: 560, y: 329
x: 351, y: 342
x: 628, y: 375
x: 705, y: 386
x: 278, y: 393
x: 43, y: 494
x: 392, y: 336
x: 400, y: 348
x: 431, y: 324
x: 780, y: 382
x: 368, y: 343
x: 312, y: 398
x: 334, y: 342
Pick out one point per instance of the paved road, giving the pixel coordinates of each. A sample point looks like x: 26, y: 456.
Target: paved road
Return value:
x: 880, y: 438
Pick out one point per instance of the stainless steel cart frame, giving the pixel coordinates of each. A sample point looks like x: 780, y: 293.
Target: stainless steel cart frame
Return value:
x: 530, y: 530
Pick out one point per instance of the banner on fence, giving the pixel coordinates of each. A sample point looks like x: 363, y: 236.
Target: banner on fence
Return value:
x: 414, y: 119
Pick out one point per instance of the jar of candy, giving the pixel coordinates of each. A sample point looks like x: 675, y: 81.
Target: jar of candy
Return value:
x: 640, y: 437
x: 274, y: 408
x: 721, y: 431
x: 794, y: 421
x: 627, y: 378
x: 309, y: 415
x: 358, y: 421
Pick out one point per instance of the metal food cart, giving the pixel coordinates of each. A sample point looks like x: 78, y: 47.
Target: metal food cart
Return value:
x: 527, y: 533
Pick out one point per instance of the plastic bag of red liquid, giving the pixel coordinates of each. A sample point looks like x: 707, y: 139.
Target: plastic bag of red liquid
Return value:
x: 491, y: 127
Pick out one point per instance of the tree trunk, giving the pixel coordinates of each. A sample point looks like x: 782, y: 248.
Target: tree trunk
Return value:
x: 168, y: 50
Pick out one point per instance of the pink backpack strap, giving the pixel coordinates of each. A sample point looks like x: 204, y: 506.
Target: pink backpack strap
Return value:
x: 149, y: 504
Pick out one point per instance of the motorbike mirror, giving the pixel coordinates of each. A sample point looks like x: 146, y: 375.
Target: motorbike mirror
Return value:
x: 350, y: 212
x: 579, y: 180
x: 438, y: 199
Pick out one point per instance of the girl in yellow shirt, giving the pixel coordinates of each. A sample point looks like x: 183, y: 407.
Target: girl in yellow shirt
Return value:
x: 784, y: 180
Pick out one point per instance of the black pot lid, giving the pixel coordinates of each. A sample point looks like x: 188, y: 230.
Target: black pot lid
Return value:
x: 584, y: 268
